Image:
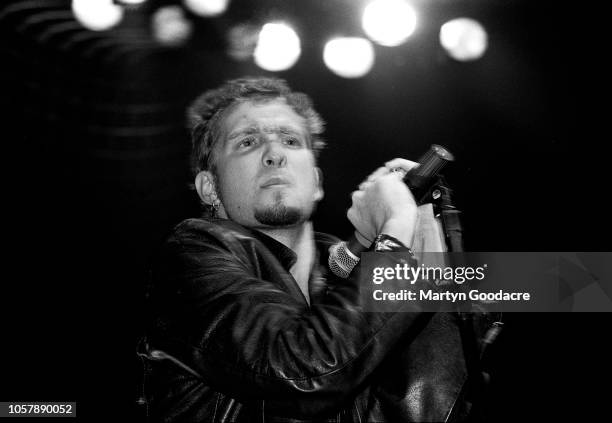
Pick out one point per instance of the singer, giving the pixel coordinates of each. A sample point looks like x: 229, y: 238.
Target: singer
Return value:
x: 248, y: 322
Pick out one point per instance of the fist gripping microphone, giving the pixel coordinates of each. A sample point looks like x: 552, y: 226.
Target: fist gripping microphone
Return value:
x: 344, y: 256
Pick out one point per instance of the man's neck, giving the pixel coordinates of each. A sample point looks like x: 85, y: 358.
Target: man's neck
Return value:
x: 292, y: 237
x: 301, y: 240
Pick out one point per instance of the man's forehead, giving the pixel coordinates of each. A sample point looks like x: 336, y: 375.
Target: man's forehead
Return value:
x: 266, y: 115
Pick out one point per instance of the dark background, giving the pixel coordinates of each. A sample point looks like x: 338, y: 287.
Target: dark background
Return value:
x: 95, y: 174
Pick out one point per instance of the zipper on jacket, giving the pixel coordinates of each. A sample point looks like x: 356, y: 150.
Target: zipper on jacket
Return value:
x: 162, y: 355
x: 141, y: 401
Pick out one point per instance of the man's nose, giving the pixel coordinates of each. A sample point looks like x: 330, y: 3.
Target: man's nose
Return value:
x: 274, y: 156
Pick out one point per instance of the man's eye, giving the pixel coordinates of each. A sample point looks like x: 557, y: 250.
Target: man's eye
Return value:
x: 292, y: 141
x: 247, y: 142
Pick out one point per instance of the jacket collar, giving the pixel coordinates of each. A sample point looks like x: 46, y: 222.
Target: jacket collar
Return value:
x: 285, y: 255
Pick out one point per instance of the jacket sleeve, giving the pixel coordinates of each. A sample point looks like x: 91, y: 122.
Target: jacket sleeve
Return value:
x: 249, y: 339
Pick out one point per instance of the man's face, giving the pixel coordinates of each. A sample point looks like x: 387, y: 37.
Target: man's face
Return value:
x: 265, y: 167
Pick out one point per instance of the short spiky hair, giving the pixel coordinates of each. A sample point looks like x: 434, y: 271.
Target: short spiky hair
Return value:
x: 205, y: 113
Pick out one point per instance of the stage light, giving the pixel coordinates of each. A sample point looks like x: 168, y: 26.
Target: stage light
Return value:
x: 208, y: 8
x: 278, y: 47
x: 131, y: 2
x: 170, y: 27
x: 97, y: 15
x: 463, y: 39
x: 349, y: 57
x: 389, y: 22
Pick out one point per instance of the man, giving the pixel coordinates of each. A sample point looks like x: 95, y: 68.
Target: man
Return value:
x: 249, y: 323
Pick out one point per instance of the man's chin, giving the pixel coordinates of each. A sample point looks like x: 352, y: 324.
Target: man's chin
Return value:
x: 279, y: 215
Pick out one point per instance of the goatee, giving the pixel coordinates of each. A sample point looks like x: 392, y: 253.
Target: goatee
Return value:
x: 279, y: 215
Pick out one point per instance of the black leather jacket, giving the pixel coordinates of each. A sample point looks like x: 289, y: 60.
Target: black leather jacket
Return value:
x: 232, y: 338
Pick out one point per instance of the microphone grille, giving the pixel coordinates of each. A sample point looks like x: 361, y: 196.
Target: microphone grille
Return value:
x: 341, y: 261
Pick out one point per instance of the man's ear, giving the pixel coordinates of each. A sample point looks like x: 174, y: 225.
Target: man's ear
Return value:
x: 205, y: 186
x: 319, y: 193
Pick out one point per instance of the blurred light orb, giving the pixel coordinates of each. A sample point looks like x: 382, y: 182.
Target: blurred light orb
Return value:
x: 389, y: 22
x: 97, y: 15
x: 464, y: 39
x: 349, y: 57
x: 278, y: 47
x: 132, y: 1
x: 170, y: 27
x: 207, y: 8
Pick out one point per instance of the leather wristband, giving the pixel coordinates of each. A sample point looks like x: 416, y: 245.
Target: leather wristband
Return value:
x: 384, y: 242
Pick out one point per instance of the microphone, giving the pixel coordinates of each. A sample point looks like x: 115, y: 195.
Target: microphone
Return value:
x: 344, y: 256
x: 420, y: 178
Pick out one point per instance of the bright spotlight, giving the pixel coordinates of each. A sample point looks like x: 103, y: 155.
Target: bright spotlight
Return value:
x: 389, y: 22
x: 278, y: 47
x: 170, y: 27
x: 349, y: 57
x: 130, y: 2
x: 463, y: 39
x: 207, y: 8
x: 97, y: 15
